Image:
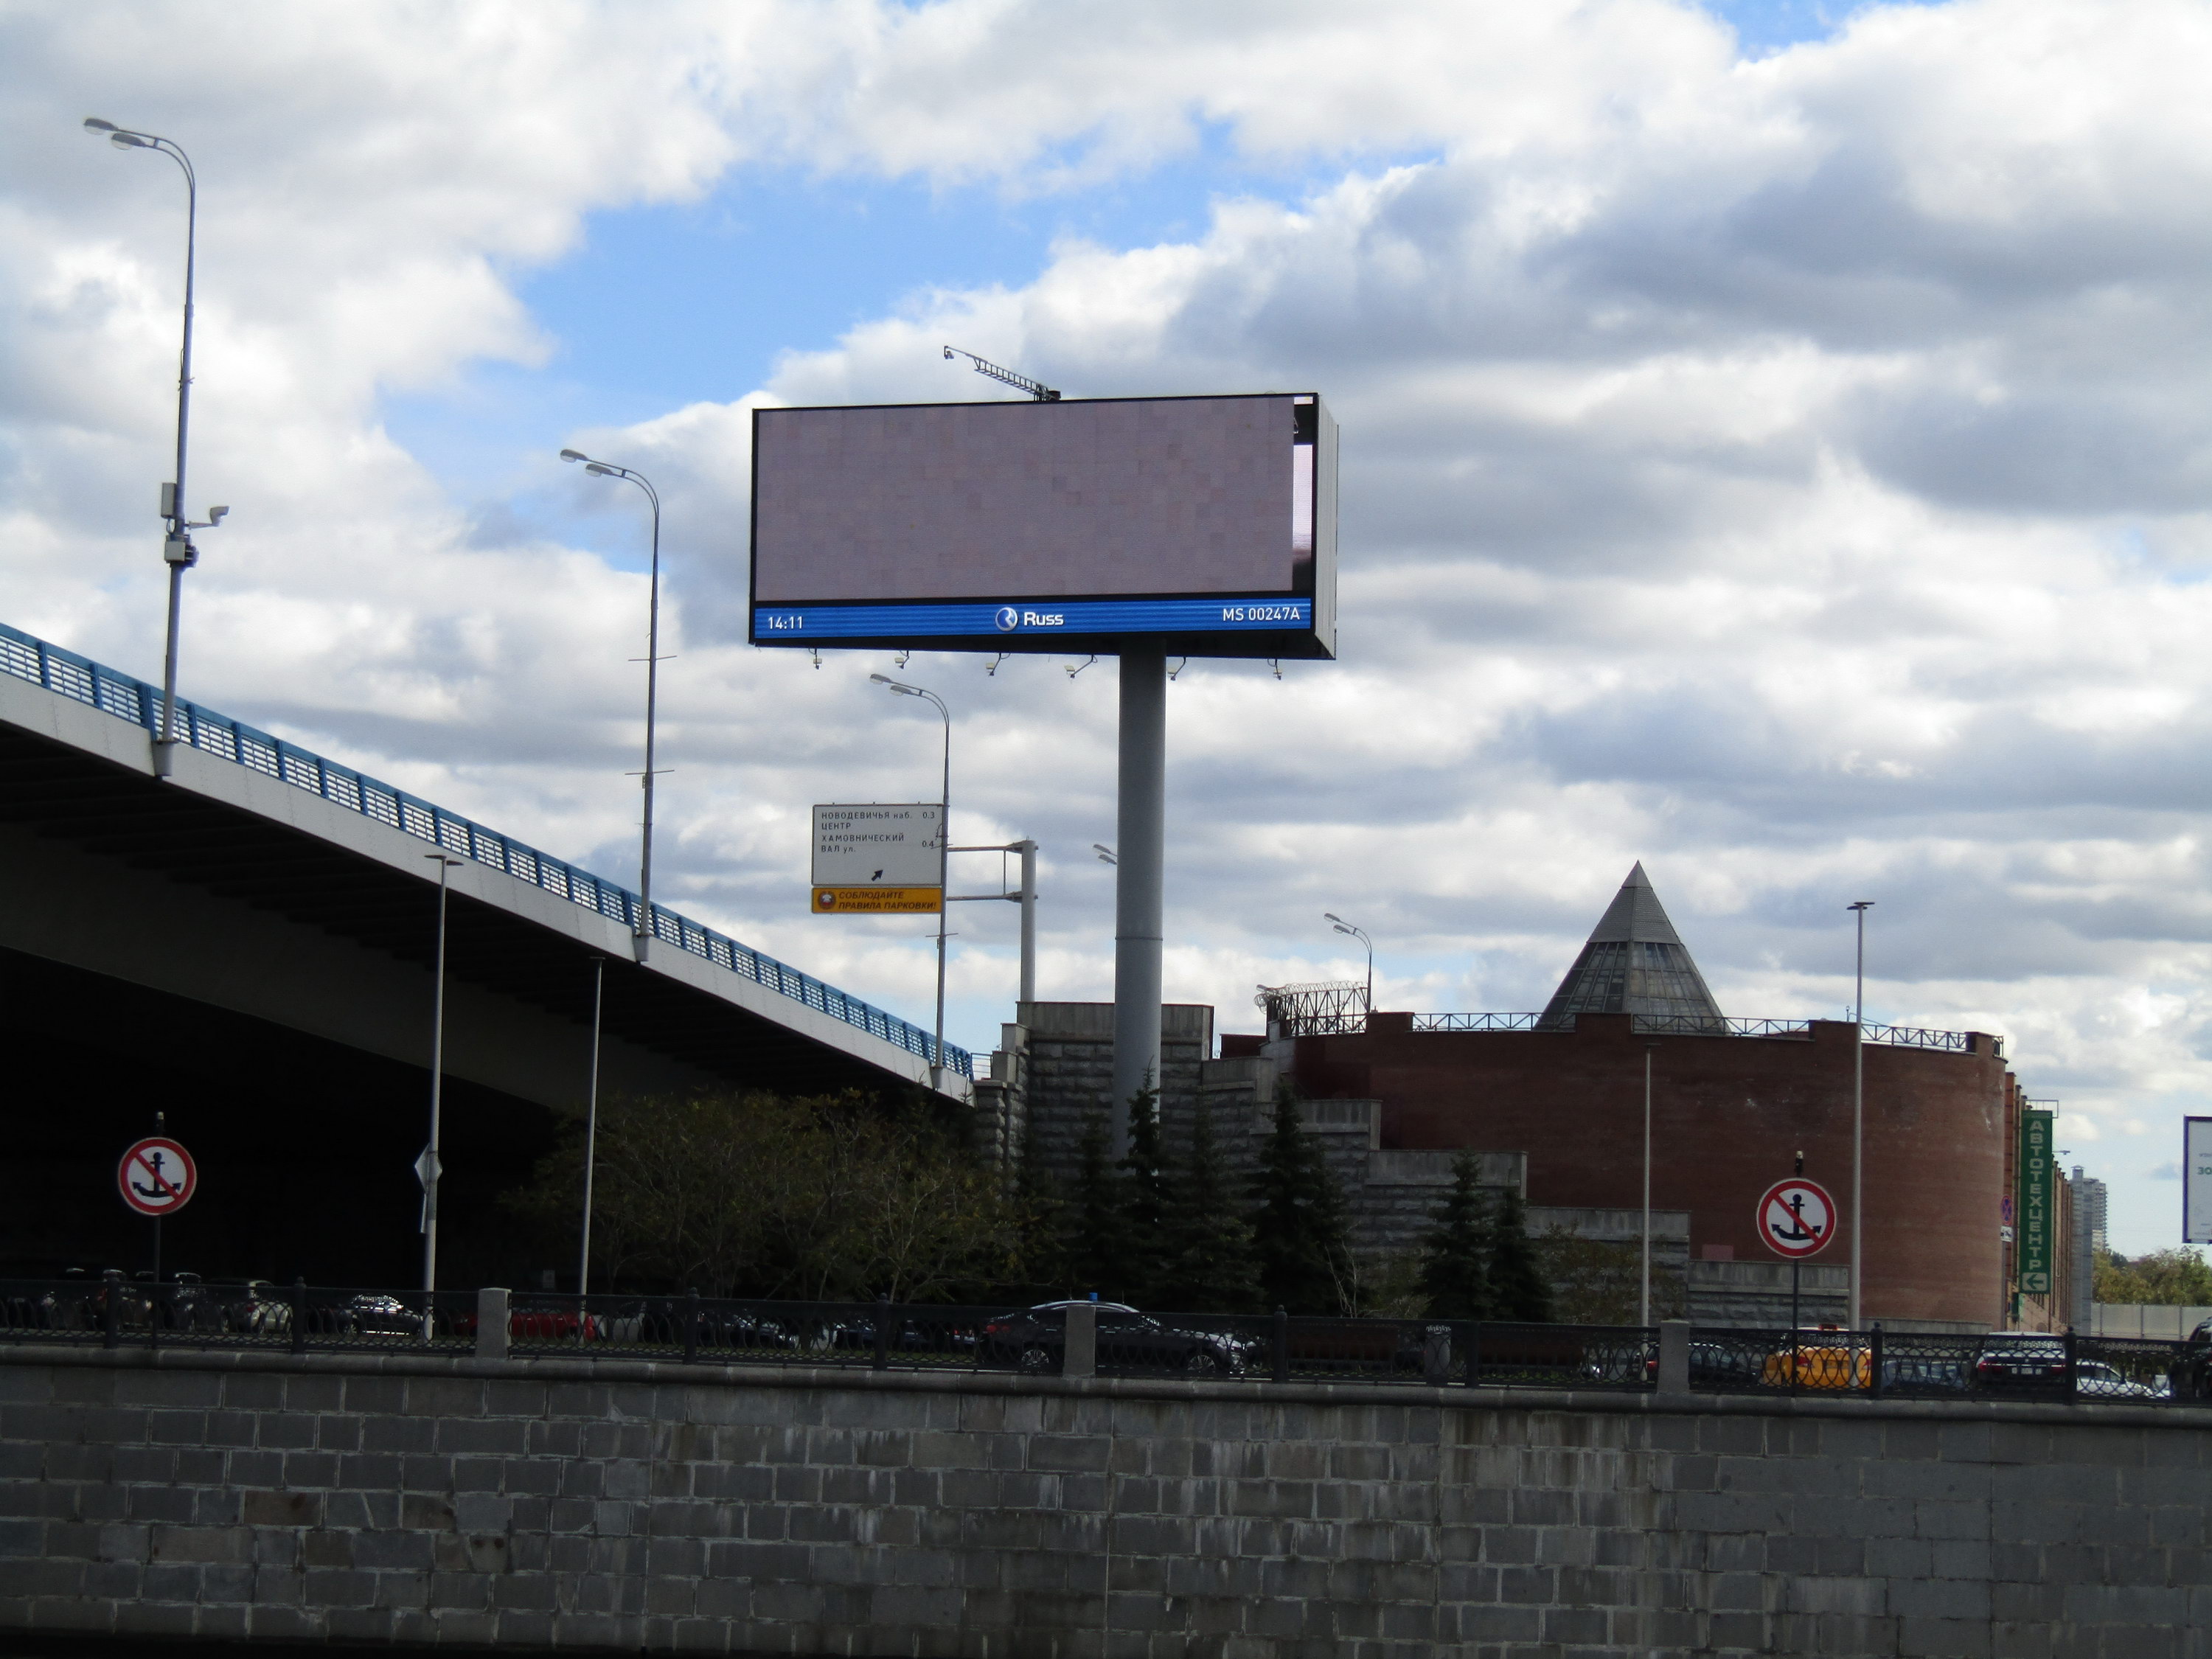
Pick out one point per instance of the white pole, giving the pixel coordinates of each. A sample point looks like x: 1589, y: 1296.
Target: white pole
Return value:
x: 430, y: 1170
x: 1029, y: 851
x: 1643, y: 1315
x: 1858, y: 1117
x: 590, y: 1129
x: 943, y: 889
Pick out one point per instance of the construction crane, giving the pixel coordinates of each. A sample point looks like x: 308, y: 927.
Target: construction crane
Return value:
x: 1036, y: 389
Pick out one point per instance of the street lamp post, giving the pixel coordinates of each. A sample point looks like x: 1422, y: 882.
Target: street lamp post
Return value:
x: 427, y: 1167
x: 944, y: 861
x: 1643, y: 1317
x: 591, y: 1138
x: 1343, y: 927
x: 609, y: 470
x: 1858, y: 1113
x: 177, y: 548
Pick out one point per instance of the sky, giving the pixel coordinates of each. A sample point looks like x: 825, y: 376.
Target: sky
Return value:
x: 1775, y: 447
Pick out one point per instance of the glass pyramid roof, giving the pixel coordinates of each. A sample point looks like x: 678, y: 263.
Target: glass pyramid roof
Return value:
x: 1635, y: 963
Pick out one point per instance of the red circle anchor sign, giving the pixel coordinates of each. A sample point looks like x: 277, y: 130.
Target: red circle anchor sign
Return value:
x: 157, y: 1176
x: 1796, y: 1218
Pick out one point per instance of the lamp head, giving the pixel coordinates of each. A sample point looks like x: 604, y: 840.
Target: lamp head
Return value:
x: 1862, y: 904
x: 948, y: 350
x: 1341, y: 928
x: 574, y: 455
x: 93, y: 123
x: 128, y: 141
x: 881, y: 679
x: 1331, y: 916
x: 598, y: 470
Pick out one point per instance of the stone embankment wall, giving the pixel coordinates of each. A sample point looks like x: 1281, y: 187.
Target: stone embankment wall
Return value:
x: 532, y: 1503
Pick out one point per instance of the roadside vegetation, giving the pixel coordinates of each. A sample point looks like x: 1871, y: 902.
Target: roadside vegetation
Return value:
x: 841, y: 1199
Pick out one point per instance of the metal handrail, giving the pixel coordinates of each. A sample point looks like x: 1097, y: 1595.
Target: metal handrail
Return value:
x: 1904, y: 1036
x: 66, y: 674
x: 1476, y: 1022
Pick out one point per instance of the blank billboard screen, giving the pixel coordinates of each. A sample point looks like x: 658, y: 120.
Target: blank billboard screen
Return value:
x: 1028, y: 525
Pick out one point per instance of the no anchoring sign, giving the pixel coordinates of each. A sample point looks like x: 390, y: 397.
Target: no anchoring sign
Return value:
x: 157, y: 1176
x: 1796, y: 1218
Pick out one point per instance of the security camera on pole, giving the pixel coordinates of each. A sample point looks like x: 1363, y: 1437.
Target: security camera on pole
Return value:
x: 936, y: 527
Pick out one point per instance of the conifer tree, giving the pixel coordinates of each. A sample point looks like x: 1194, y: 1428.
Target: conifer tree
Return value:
x: 1517, y: 1286
x: 1457, y: 1254
x: 1089, y: 1247
x: 1040, y: 1216
x: 1299, y: 1232
x: 1209, y: 1265
x: 1139, y: 1245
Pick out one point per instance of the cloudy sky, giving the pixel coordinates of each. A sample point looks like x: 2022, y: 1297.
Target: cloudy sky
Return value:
x: 1777, y: 446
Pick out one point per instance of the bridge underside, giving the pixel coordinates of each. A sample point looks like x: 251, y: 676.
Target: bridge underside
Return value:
x: 260, y: 963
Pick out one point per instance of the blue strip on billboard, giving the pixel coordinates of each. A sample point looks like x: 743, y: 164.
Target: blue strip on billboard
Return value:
x: 789, y: 624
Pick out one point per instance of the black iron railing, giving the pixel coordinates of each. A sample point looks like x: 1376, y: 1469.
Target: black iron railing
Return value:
x: 113, y: 1311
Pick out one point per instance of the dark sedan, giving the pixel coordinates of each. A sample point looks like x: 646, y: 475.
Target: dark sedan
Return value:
x: 1036, y: 1339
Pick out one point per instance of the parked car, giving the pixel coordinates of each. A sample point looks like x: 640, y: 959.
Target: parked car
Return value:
x: 1914, y: 1372
x: 2095, y: 1380
x: 1036, y: 1339
x: 2190, y: 1377
x: 2021, y: 1360
x: 1822, y: 1357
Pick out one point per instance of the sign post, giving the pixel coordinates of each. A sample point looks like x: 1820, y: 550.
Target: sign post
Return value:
x: 157, y: 1177
x: 1796, y: 1218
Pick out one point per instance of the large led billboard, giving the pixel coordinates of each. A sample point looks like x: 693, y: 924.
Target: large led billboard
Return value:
x: 1208, y: 523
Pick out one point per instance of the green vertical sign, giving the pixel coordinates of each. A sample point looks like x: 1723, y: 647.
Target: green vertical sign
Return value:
x: 2039, y: 1175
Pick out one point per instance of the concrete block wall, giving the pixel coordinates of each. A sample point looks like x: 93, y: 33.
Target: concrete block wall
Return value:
x: 532, y: 1503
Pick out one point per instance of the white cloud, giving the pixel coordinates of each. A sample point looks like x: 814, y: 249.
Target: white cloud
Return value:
x: 1792, y: 473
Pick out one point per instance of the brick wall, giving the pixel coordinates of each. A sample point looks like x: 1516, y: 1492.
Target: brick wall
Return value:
x: 625, y: 1505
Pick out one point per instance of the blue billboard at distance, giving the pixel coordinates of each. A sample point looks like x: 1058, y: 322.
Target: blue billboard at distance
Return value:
x: 1208, y: 522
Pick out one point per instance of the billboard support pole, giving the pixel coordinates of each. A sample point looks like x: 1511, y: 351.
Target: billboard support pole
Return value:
x: 1140, y: 854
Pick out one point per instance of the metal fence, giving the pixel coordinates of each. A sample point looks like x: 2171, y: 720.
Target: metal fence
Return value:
x: 1353, y: 1023
x: 116, y: 1312
x: 69, y: 675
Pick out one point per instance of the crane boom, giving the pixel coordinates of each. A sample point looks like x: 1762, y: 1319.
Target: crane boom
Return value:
x: 1036, y: 389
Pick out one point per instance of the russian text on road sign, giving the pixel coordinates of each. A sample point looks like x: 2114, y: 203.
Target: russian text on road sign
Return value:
x: 877, y: 845
x: 157, y: 1176
x: 877, y: 900
x: 1796, y: 1218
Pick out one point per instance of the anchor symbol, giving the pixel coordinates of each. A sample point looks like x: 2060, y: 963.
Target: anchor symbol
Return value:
x: 1795, y: 1231
x: 160, y: 1188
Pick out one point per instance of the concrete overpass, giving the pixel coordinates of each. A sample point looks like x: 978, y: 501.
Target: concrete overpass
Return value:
x: 288, y: 903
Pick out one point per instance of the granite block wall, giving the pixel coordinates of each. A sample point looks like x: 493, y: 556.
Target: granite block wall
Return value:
x: 540, y: 1504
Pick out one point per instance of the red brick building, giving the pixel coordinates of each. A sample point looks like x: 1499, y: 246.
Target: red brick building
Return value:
x: 1733, y: 1103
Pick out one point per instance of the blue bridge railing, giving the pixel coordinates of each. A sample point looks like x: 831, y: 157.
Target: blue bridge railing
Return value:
x: 69, y: 675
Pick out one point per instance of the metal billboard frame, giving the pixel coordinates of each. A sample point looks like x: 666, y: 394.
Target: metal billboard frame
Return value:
x: 2196, y: 1180
x: 1088, y: 624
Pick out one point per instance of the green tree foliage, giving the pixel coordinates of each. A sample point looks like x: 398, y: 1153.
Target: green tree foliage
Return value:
x: 1518, y: 1288
x: 1299, y: 1232
x: 1456, y: 1253
x: 1089, y: 1256
x: 1208, y: 1264
x: 1143, y: 1202
x: 753, y: 1193
x: 1040, y: 1218
x: 1598, y: 1282
x: 2175, y: 1278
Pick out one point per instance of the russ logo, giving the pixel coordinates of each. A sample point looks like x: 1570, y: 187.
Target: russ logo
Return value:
x: 1008, y: 619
